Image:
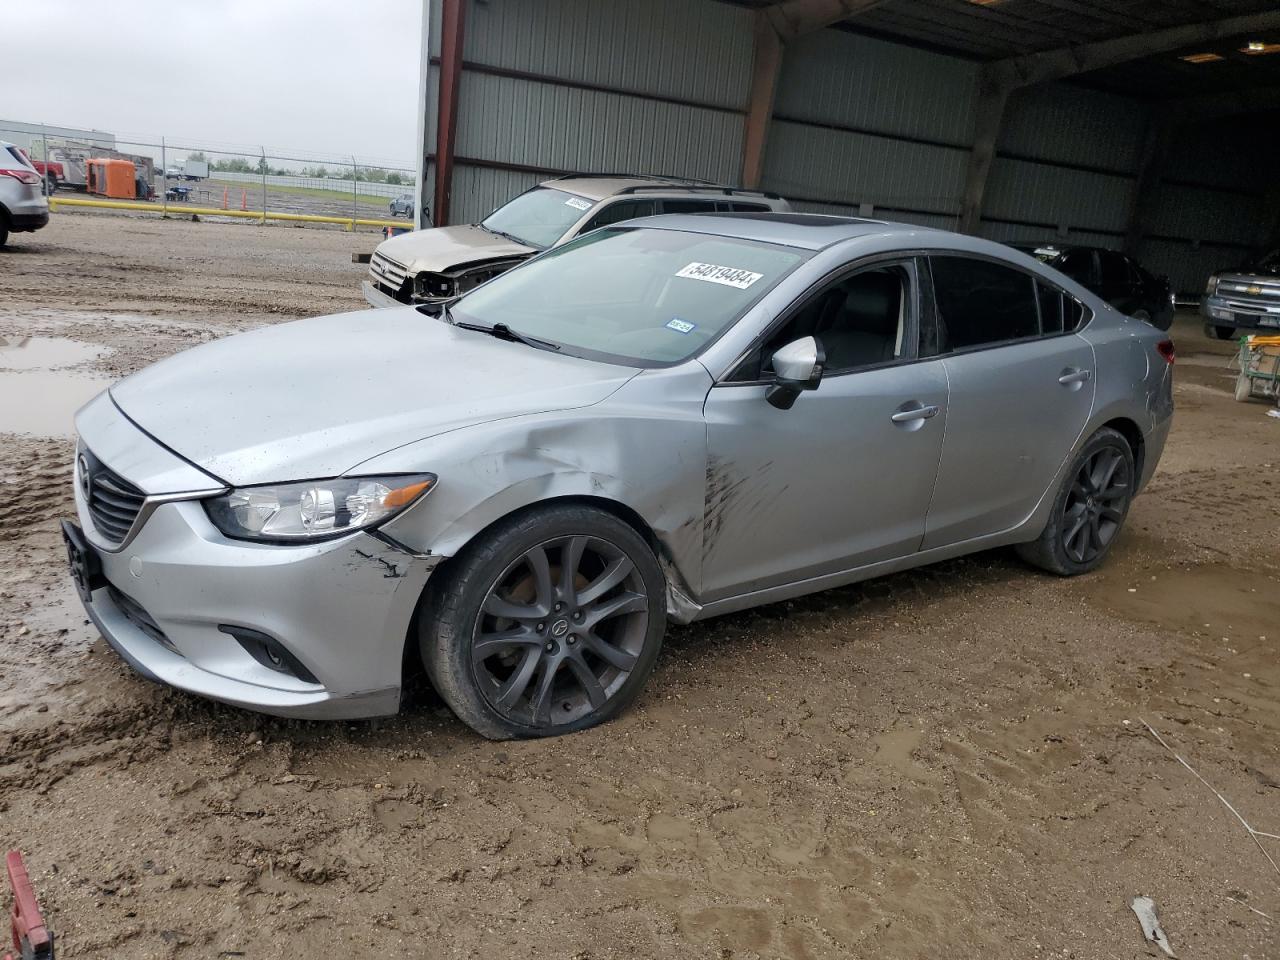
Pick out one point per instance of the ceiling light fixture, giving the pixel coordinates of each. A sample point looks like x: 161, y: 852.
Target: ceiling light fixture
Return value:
x: 1200, y: 57
x: 1257, y: 47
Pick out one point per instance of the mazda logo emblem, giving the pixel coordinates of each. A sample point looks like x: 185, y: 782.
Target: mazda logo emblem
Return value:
x: 86, y: 478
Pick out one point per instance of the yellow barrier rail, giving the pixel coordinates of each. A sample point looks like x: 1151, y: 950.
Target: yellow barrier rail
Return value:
x: 185, y: 211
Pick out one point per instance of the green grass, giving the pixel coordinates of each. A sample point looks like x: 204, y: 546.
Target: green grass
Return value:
x: 255, y: 190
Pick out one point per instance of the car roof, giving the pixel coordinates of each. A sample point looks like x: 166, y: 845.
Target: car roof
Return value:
x: 807, y: 231
x: 601, y: 186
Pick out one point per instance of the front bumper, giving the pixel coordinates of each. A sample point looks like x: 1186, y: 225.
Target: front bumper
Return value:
x: 342, y: 608
x: 375, y: 296
x: 1227, y: 313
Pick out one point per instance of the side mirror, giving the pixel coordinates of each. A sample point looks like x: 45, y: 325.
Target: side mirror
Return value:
x: 797, y: 367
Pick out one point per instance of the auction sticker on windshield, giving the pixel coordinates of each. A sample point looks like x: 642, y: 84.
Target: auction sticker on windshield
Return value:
x: 680, y: 326
x: 712, y: 273
x: 578, y: 203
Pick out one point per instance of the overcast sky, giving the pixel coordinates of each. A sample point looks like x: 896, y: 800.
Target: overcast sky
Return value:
x: 322, y: 76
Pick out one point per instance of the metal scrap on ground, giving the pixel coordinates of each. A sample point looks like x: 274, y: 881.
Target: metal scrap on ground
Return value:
x: 1145, y: 908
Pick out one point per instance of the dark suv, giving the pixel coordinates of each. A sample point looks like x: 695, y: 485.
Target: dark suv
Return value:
x: 1243, y: 298
x: 1118, y: 279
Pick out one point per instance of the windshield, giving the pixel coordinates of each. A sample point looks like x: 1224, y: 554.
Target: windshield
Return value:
x: 539, y: 217
x: 638, y: 296
x: 1269, y: 261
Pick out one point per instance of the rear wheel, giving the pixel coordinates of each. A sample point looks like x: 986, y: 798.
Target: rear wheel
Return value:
x: 549, y: 623
x: 4, y: 230
x: 1089, y: 510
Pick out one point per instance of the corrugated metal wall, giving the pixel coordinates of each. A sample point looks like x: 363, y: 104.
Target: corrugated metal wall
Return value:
x: 860, y: 125
x: 596, y: 85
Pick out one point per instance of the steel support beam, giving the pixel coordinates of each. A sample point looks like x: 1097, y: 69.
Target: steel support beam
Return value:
x: 1069, y: 61
x: 452, y: 31
x: 993, y: 97
x: 1151, y: 162
x: 773, y: 27
x: 997, y: 80
x: 766, y: 65
x: 421, y: 200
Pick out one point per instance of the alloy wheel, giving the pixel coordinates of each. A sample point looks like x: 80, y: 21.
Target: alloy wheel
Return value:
x: 560, y: 631
x: 1096, y: 505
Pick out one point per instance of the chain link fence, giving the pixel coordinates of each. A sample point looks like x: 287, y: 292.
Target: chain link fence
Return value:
x: 180, y: 174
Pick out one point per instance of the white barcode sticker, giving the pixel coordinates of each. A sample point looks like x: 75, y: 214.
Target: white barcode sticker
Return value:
x: 680, y: 326
x: 712, y: 273
x: 578, y: 203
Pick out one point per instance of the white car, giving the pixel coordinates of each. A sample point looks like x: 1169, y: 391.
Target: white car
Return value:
x: 430, y: 266
x: 23, y: 206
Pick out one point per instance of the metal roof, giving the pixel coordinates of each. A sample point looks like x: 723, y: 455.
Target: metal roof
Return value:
x: 996, y: 30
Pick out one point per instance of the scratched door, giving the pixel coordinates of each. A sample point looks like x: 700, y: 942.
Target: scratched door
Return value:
x: 833, y: 483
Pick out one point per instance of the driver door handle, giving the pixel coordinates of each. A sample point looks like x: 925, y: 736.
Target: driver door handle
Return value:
x: 1072, y: 375
x: 916, y: 413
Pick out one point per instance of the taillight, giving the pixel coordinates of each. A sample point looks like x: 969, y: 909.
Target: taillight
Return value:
x: 29, y: 177
x: 1165, y: 349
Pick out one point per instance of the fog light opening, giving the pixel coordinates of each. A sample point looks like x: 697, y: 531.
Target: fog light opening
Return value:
x: 269, y: 652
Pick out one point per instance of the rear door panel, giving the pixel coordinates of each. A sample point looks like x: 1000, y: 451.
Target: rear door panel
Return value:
x: 1010, y: 426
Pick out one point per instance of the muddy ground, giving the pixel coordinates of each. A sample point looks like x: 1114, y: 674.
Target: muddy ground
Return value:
x: 950, y: 762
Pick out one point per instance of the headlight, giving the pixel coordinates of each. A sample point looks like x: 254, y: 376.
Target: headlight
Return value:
x: 314, y: 509
x: 1211, y: 287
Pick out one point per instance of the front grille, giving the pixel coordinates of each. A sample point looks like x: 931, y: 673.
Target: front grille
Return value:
x: 389, y: 275
x: 135, y: 614
x: 1256, y: 294
x: 113, y: 502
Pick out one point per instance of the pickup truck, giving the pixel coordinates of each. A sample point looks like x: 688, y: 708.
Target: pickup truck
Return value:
x: 52, y: 171
x: 1243, y: 298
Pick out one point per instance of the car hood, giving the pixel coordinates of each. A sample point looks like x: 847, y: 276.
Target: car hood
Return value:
x: 314, y: 398
x: 442, y: 248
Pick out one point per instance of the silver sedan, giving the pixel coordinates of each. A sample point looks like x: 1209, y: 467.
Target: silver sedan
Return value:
x: 662, y: 421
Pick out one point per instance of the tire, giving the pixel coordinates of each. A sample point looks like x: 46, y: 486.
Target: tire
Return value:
x: 533, y: 681
x: 1141, y: 315
x: 1096, y: 491
x: 1215, y: 332
x: 4, y: 230
x: 1244, y: 387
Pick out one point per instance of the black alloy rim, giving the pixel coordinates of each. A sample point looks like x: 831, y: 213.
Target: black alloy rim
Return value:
x: 1095, y: 505
x: 560, y: 631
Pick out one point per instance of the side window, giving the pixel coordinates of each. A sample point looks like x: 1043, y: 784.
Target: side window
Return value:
x: 1078, y: 265
x: 980, y: 302
x: 861, y: 320
x: 1115, y: 270
x: 738, y: 206
x: 688, y: 206
x: 619, y: 211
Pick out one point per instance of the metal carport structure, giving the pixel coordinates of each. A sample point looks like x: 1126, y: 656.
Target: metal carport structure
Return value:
x: 1140, y: 124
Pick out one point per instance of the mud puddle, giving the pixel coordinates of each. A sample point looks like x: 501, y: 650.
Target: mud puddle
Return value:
x: 45, y: 353
x: 40, y: 390
x: 1201, y: 600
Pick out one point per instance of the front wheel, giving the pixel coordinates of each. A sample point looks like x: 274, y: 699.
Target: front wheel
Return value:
x: 1215, y: 332
x: 549, y: 623
x: 1089, y: 510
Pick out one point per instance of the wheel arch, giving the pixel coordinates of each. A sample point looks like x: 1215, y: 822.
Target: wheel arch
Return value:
x: 680, y: 606
x: 1132, y: 434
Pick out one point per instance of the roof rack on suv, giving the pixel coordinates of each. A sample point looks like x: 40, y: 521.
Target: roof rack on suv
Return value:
x: 665, y: 178
x: 667, y: 182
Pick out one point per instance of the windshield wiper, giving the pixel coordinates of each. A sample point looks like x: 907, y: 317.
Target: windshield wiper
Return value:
x: 510, y: 236
x: 503, y: 332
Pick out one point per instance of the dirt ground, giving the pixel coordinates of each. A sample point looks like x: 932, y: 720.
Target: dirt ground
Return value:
x: 950, y: 762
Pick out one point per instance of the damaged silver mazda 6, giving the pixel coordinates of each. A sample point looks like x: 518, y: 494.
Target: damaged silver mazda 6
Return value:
x: 666, y: 420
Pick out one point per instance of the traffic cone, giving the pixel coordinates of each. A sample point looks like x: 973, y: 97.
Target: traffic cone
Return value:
x: 244, y: 199
x: 224, y: 198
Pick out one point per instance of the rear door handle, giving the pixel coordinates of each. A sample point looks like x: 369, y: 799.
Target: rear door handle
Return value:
x: 1072, y: 375
x: 924, y: 412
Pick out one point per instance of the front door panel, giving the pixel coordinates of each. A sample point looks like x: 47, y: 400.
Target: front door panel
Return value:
x: 1010, y: 425
x: 830, y: 484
